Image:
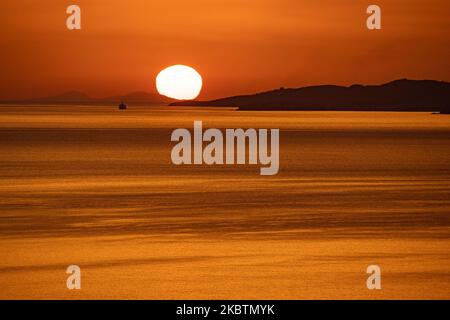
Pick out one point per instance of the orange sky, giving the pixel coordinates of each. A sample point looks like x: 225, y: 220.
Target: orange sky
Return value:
x: 239, y: 46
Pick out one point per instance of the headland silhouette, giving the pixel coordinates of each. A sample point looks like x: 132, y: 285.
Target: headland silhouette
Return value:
x: 398, y: 95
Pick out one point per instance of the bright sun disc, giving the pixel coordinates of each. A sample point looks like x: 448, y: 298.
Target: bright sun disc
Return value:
x: 179, y: 82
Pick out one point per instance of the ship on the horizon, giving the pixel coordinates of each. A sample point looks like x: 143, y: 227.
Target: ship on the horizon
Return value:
x: 122, y: 106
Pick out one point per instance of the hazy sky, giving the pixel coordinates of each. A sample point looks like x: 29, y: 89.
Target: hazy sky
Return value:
x: 238, y: 46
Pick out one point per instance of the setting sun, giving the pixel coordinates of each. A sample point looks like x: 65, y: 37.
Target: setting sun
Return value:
x: 179, y: 82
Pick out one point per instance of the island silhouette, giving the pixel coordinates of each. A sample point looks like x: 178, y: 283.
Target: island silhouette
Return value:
x: 398, y: 95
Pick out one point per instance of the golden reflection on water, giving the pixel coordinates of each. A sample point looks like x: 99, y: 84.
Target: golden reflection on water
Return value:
x: 95, y: 187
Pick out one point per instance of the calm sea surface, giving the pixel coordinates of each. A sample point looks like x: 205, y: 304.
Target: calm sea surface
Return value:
x: 95, y: 187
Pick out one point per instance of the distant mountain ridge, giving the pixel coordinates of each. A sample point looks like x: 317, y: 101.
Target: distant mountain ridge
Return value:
x: 398, y: 95
x: 140, y: 97
x: 77, y: 97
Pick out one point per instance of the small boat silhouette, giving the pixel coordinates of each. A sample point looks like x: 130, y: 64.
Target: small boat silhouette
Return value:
x: 122, y: 106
